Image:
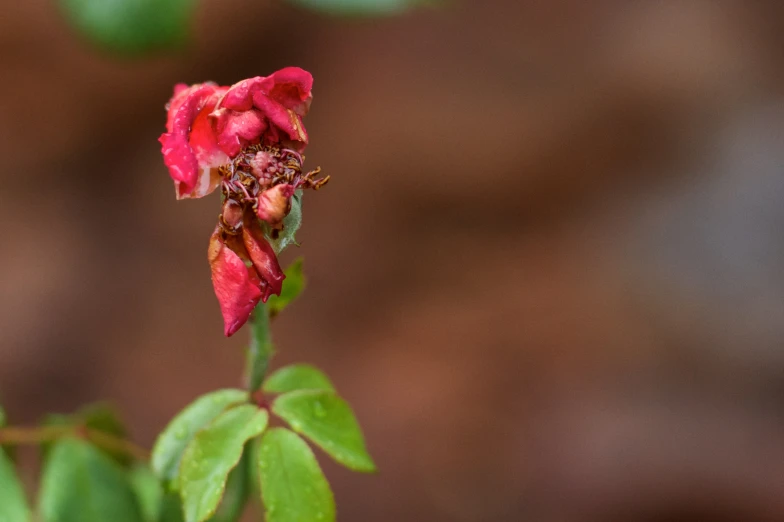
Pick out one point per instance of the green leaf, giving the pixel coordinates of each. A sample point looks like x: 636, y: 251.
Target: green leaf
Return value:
x: 297, y: 377
x: 103, y: 417
x: 260, y: 351
x: 361, y: 7
x: 171, y: 443
x: 171, y: 508
x: 82, y: 484
x: 328, y: 421
x: 293, y: 488
x: 237, y: 490
x: 291, y: 223
x: 2, y: 417
x: 293, y: 285
x: 131, y: 26
x: 13, y: 504
x: 99, y: 416
x: 212, y: 454
x: 148, y: 490
x: 252, y: 452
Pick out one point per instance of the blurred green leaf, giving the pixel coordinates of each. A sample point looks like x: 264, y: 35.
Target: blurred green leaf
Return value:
x: 2, y: 417
x: 291, y: 223
x: 293, y: 285
x: 237, y: 490
x: 361, y: 7
x: 260, y: 350
x: 159, y: 506
x: 252, y: 452
x: 131, y: 26
x: 101, y: 417
x: 171, y: 443
x: 148, y: 490
x: 297, y: 377
x: 212, y: 454
x: 293, y: 488
x: 328, y: 421
x: 13, y: 504
x: 81, y: 484
x: 171, y: 508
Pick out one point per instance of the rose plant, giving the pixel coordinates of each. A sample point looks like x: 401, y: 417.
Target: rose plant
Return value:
x: 220, y: 451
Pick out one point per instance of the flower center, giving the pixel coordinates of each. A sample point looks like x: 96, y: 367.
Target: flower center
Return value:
x: 256, y: 169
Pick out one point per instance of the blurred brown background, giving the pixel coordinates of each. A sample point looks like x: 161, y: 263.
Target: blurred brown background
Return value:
x: 547, y: 270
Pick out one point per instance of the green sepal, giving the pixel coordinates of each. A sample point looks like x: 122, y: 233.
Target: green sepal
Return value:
x: 291, y: 223
x: 82, y: 484
x: 328, y: 421
x: 293, y: 487
x: 297, y: 377
x: 212, y: 454
x: 293, y: 285
x: 171, y: 443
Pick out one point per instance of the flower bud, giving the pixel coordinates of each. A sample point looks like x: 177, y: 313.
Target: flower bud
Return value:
x: 274, y: 204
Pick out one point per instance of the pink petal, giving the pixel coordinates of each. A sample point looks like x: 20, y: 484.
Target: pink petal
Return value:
x: 283, y: 98
x: 189, y: 147
x: 236, y: 286
x: 237, y: 129
x: 285, y: 119
x: 291, y: 87
x: 239, y: 96
x: 263, y: 258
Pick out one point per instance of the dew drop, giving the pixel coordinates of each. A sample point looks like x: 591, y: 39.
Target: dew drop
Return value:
x: 319, y: 410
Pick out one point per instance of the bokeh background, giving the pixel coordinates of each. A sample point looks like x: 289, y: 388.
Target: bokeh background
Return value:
x: 547, y: 271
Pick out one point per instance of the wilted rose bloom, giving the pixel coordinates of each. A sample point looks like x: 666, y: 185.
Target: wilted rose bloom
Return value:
x: 247, y: 139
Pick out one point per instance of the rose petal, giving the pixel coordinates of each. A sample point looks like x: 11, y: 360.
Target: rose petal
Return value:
x: 283, y: 97
x: 237, y: 129
x: 285, y: 119
x: 291, y: 87
x: 237, y: 286
x: 263, y: 258
x: 239, y: 96
x: 189, y: 148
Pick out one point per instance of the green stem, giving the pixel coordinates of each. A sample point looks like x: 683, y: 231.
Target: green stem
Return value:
x: 260, y: 350
x: 16, y: 435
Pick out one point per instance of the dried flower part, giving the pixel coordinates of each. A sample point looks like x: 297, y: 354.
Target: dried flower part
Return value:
x: 274, y: 205
x: 237, y: 287
x: 247, y: 139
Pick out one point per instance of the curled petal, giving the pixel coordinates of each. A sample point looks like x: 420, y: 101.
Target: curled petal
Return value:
x: 263, y: 258
x: 285, y: 119
x: 291, y: 87
x: 236, y: 129
x: 275, y: 204
x: 282, y: 97
x: 190, y: 149
x: 237, y: 286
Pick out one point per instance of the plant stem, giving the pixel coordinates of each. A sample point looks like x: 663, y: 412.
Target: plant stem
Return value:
x: 20, y: 435
x: 260, y: 350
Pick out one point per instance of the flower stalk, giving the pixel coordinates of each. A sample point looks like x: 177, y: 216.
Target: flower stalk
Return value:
x: 18, y: 435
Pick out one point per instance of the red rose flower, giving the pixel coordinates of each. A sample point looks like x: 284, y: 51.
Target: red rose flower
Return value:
x: 247, y: 139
